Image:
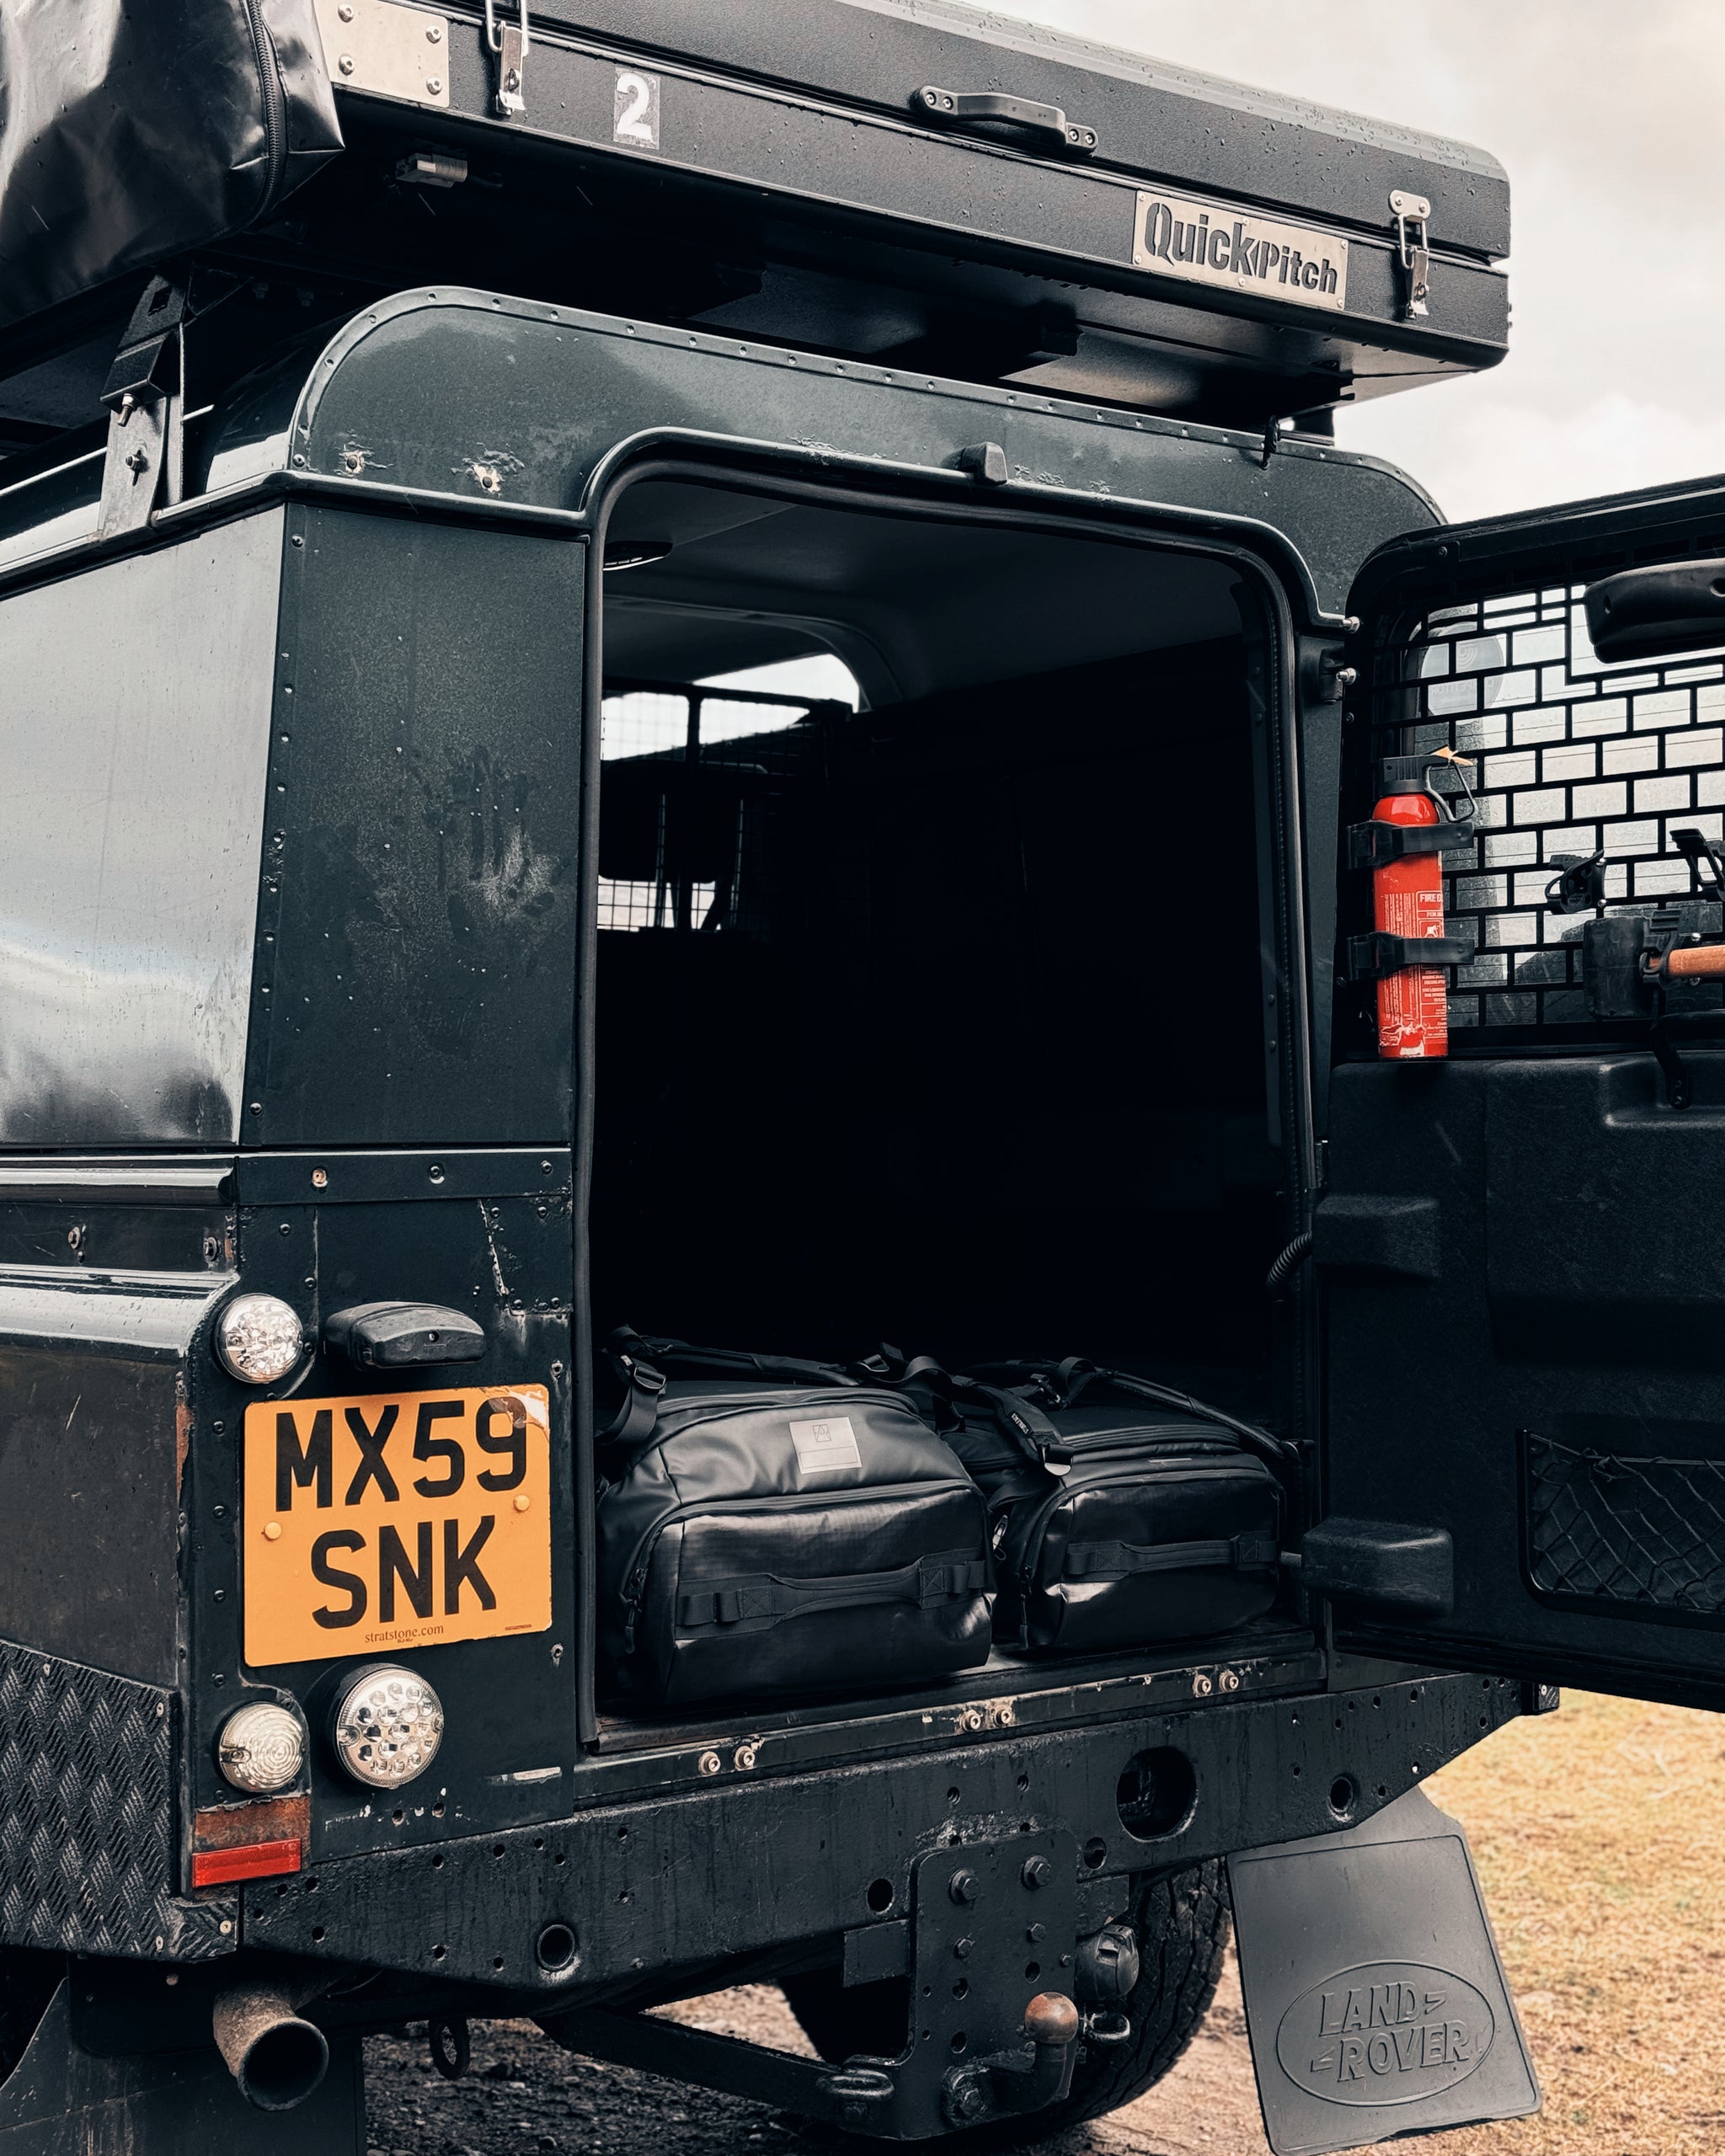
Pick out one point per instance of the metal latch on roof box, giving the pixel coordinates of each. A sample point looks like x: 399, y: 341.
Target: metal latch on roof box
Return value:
x: 394, y: 51
x: 509, y: 41
x: 1219, y: 245
x: 1412, y: 249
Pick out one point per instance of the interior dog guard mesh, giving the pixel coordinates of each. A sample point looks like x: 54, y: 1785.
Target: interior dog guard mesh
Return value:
x: 688, y: 773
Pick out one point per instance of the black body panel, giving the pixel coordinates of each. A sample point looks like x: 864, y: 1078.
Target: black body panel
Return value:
x: 126, y: 989
x: 419, y: 883
x: 93, y: 1383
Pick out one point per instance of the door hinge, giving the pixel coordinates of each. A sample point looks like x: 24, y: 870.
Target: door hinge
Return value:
x: 508, y: 40
x: 1324, y: 679
x: 1411, y: 214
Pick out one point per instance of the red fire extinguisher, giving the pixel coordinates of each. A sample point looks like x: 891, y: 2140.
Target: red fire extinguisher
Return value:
x: 1407, y: 900
x: 1407, y: 905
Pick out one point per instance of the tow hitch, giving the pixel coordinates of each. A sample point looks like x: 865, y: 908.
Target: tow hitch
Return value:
x: 997, y: 1976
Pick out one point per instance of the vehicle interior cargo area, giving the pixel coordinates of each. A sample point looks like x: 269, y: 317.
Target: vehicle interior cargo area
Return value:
x: 895, y: 946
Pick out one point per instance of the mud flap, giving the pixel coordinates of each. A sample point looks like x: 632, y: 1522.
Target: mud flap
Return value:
x: 1375, y: 1998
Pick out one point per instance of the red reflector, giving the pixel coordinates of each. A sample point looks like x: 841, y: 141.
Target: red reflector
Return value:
x: 251, y: 1861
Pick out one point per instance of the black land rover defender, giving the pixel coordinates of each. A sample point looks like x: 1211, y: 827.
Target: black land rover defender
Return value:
x: 431, y: 940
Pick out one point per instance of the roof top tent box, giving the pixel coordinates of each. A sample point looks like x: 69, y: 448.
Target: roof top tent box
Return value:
x: 905, y: 181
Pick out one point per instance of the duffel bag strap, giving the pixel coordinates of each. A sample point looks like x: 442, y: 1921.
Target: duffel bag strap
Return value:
x: 1240, y: 1552
x: 764, y: 1598
x: 685, y: 1358
x: 1074, y: 1376
x: 1024, y: 1422
x: 638, y: 1417
x: 890, y: 1367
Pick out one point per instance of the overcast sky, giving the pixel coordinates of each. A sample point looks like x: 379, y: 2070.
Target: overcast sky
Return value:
x: 1609, y: 115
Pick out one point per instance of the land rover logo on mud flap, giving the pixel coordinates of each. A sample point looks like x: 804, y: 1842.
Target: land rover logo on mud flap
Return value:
x: 1216, y: 244
x: 1388, y: 2032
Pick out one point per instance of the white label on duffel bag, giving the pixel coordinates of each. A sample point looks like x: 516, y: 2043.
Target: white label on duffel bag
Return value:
x: 827, y: 1446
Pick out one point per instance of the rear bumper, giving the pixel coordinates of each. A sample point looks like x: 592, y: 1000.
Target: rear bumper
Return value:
x: 682, y: 1880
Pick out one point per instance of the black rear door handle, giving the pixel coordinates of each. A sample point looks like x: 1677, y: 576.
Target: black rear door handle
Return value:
x: 404, y: 1336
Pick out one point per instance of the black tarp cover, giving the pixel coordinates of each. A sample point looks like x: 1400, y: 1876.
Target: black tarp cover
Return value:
x: 130, y: 130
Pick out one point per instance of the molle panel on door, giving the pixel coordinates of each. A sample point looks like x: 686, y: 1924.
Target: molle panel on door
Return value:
x: 415, y: 976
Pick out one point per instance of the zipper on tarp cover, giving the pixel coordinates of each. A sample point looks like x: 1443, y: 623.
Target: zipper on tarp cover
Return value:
x: 274, y: 103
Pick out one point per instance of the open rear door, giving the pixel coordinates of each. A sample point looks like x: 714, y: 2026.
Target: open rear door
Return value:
x: 1521, y: 1248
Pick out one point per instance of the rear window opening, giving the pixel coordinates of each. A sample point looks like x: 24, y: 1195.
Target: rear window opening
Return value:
x: 931, y: 1010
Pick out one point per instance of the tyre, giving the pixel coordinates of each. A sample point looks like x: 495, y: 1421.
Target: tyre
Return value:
x: 1182, y: 1924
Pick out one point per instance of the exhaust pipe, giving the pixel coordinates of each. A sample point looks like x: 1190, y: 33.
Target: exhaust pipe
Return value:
x: 277, y: 2058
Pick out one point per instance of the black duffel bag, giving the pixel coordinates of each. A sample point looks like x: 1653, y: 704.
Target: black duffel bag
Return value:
x: 768, y: 1526
x: 1121, y: 1513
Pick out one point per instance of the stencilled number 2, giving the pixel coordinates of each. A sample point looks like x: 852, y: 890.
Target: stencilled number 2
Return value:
x: 635, y: 110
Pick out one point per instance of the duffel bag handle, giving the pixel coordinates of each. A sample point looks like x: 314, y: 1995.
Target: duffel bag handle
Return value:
x: 1239, y: 1553
x: 764, y: 1598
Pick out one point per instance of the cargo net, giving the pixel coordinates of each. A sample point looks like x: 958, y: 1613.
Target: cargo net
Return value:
x: 1571, y: 756
x: 688, y: 778
x: 1603, y: 1526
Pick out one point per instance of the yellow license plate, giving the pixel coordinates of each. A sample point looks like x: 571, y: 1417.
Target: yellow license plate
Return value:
x: 395, y: 1520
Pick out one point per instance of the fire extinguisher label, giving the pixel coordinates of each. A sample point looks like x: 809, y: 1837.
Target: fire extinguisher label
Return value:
x: 1413, y: 1004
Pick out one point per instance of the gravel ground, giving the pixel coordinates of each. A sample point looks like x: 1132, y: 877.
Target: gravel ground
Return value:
x: 524, y: 2094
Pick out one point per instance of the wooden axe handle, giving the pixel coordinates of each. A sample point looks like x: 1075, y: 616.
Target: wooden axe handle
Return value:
x: 1703, y: 962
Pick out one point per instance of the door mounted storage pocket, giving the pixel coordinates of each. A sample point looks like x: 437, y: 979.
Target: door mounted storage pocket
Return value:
x: 1626, y: 1517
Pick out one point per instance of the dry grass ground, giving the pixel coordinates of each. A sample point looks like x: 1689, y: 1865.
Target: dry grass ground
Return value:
x: 1600, y: 1833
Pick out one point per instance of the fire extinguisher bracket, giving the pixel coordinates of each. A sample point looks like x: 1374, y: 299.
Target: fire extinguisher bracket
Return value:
x: 1371, y: 958
x: 1370, y: 846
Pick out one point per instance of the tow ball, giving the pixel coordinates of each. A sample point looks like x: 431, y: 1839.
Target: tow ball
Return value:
x: 1009, y: 2082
